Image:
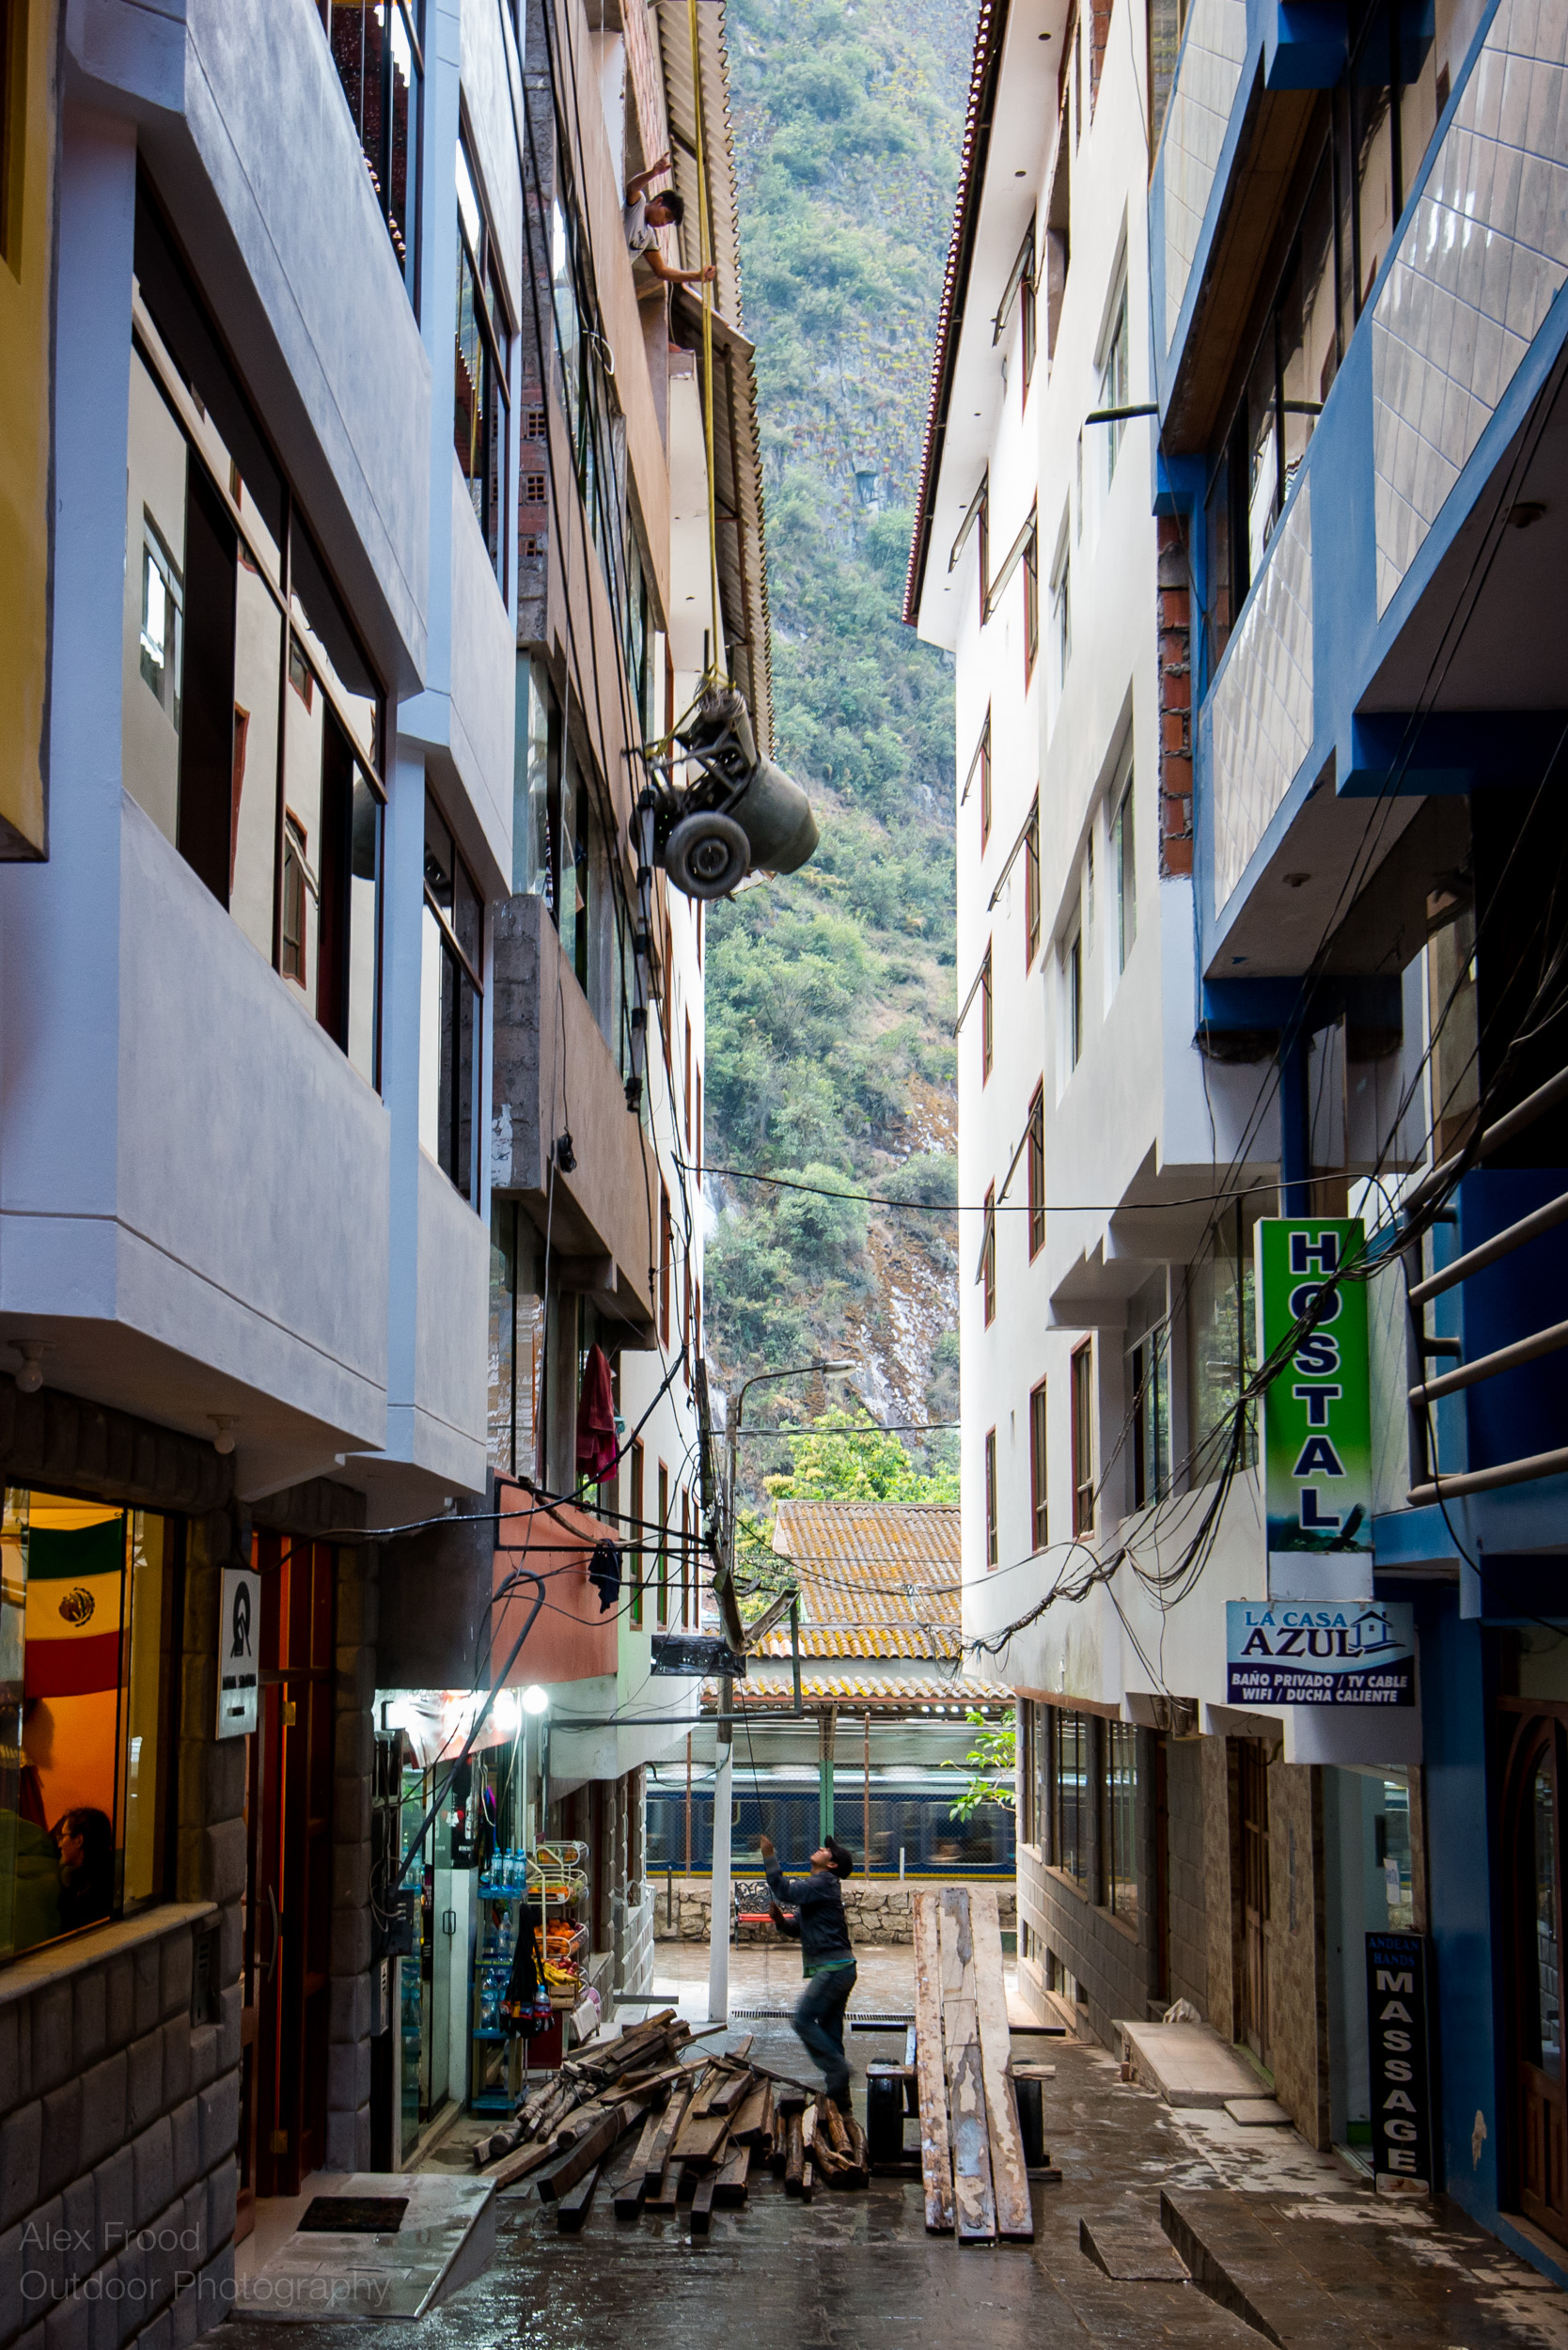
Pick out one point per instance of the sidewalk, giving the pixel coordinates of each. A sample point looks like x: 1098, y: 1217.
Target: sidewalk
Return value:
x: 1284, y: 2244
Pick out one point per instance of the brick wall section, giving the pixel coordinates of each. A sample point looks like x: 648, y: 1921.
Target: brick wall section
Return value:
x: 1096, y: 35
x: 347, y: 2130
x: 1298, y: 1974
x: 1185, y: 1874
x: 1175, y: 666
x: 1221, y: 1872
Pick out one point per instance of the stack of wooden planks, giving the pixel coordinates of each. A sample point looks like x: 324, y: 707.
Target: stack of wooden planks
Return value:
x: 671, y: 2133
x: 971, y: 2149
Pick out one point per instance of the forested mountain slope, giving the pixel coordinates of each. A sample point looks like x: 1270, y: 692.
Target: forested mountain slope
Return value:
x: 831, y: 994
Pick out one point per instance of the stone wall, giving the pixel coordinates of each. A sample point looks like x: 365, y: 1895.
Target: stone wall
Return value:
x: 878, y: 1914
x: 1188, y: 1951
x: 119, y: 2081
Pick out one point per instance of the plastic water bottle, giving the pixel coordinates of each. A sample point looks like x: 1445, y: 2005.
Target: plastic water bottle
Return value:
x: 503, y: 1940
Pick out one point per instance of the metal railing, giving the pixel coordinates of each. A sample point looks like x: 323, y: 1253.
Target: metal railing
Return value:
x: 1428, y: 1485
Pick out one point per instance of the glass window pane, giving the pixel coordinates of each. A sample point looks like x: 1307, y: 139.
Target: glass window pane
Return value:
x: 143, y: 1761
x: 329, y: 643
x: 258, y: 662
x: 154, y: 600
x: 364, y: 915
x: 305, y: 724
x: 432, y: 958
x: 1263, y: 492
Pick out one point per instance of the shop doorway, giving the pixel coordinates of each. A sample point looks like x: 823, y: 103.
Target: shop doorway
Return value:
x: 287, y: 1911
x: 1252, y: 2016
x: 1534, y: 1846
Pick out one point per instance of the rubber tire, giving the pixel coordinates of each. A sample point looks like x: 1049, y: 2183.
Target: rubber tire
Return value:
x: 707, y: 855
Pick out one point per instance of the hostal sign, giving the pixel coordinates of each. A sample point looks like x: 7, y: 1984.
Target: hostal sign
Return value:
x: 1317, y: 1411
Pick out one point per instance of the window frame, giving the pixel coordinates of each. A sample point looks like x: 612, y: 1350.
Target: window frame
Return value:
x: 410, y: 15
x: 1071, y: 1854
x: 1033, y: 911
x: 991, y: 1546
x: 272, y: 562
x: 1123, y: 845
x: 495, y: 331
x: 988, y: 1258
x: 1119, y: 1823
x: 1114, y: 361
x: 988, y: 1034
x: 635, y: 1549
x: 661, y: 1590
x: 1035, y: 1169
x: 467, y: 977
x: 1081, y: 1367
x: 1039, y: 1466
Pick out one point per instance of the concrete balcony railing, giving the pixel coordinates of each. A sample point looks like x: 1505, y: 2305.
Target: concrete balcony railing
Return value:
x: 555, y: 1074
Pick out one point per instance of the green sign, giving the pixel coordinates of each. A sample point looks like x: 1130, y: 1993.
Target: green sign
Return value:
x: 1317, y: 1411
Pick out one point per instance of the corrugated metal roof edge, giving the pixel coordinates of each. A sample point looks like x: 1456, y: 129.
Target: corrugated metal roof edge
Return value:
x: 990, y: 32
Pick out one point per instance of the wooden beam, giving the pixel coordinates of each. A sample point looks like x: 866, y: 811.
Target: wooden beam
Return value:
x: 936, y: 2164
x: 1009, y: 2172
x: 572, y: 2208
x: 973, y: 2196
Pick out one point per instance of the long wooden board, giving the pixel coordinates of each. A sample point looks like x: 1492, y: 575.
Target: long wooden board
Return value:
x: 1010, y: 2179
x: 973, y: 2197
x: 937, y: 2162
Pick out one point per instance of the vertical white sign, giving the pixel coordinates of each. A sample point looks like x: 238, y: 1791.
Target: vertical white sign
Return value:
x: 239, y: 1648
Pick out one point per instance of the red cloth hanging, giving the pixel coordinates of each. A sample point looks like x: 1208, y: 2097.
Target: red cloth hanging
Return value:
x: 596, y: 1437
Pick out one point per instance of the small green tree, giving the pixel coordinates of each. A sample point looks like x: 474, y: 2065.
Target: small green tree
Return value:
x: 846, y: 1459
x: 995, y: 1750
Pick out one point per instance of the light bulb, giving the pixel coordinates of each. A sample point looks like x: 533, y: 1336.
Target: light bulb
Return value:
x: 29, y: 1379
x: 535, y: 1700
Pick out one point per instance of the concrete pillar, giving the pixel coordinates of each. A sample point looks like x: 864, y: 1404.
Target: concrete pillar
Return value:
x: 348, y: 2127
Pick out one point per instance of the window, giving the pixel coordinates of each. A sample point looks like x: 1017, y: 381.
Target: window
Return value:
x: 1032, y: 603
x: 636, y: 1553
x: 988, y: 1257
x: 984, y: 757
x: 687, y: 1611
x: 1167, y: 19
x: 1036, y: 1156
x: 1061, y: 610
x: 1029, y: 319
x: 1221, y: 1324
x: 987, y: 1033
x: 1118, y: 1821
x: 990, y: 1499
x: 88, y: 1633
x: 1073, y: 984
x: 686, y: 1077
x: 377, y: 49
x: 666, y: 1251
x: 1071, y: 1763
x: 661, y: 1603
x: 1031, y: 888
x: 450, y: 990
x: 1149, y: 1376
x: 1038, y: 1519
x: 1114, y: 378
x: 536, y: 488
x: 1124, y: 873
x: 1083, y: 1438
x: 482, y: 385
x: 251, y: 723
x: 533, y: 424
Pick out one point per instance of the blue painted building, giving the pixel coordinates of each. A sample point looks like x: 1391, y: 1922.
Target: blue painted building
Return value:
x: 1359, y: 243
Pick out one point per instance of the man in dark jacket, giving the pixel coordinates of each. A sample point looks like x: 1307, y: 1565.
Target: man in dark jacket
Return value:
x: 826, y: 1956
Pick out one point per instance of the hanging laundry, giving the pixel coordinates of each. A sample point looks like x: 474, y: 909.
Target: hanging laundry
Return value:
x: 604, y: 1575
x: 596, y: 1440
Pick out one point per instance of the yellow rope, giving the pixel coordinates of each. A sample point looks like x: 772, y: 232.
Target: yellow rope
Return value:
x: 712, y: 673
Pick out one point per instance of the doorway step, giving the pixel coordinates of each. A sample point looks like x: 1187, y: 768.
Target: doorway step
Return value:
x: 1189, y: 2064
x: 406, y: 2241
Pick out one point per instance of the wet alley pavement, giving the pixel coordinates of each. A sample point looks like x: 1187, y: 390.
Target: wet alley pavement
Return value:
x: 1298, y: 2251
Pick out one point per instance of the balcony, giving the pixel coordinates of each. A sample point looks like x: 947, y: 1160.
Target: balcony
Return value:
x: 556, y: 1074
x: 1393, y: 644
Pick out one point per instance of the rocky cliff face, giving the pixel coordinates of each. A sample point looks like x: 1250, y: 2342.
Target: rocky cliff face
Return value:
x: 831, y: 995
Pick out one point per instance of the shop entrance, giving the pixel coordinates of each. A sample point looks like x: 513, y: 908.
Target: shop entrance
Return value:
x: 287, y: 1911
x: 1252, y: 2018
x: 1533, y: 1849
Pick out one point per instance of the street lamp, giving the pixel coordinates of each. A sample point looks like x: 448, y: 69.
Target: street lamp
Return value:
x: 719, y: 1918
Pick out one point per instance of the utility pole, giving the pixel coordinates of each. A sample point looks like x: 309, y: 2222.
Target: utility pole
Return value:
x: 724, y: 1773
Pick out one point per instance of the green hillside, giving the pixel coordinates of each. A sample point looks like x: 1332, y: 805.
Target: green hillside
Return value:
x: 831, y: 994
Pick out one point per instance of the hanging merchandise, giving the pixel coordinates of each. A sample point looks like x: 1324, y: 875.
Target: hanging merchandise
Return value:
x: 597, y: 1449
x: 604, y: 1575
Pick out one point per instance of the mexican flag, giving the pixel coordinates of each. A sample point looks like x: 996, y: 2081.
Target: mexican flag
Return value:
x: 75, y: 1598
